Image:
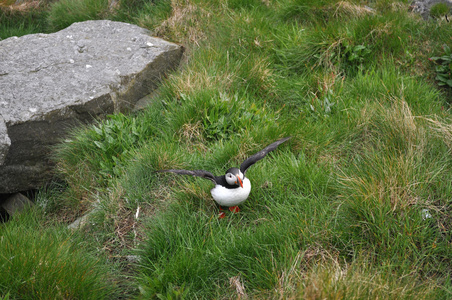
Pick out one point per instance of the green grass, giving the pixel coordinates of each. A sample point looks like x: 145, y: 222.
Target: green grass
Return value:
x: 50, y: 16
x: 18, y: 23
x: 65, y: 12
x: 337, y: 212
x: 439, y: 10
x: 40, y: 262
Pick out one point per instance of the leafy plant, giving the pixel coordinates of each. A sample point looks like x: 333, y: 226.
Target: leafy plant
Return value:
x: 115, y: 138
x: 443, y: 67
x: 222, y: 118
x: 323, y: 106
x: 355, y: 56
x: 172, y: 292
x: 105, y: 146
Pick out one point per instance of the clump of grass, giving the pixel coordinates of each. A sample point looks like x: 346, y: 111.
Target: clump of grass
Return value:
x: 443, y: 130
x: 320, y: 274
x: 385, y: 83
x: 140, y: 178
x: 40, y: 263
x: 387, y: 187
x: 344, y: 47
x: 145, y: 14
x: 361, y: 280
x: 310, y: 12
x: 187, y: 23
x: 65, y: 12
x: 19, y: 21
x: 439, y: 10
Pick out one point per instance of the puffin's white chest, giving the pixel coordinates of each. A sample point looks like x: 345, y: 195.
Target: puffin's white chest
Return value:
x: 231, y: 197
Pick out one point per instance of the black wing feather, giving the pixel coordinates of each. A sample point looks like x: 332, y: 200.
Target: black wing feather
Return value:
x: 261, y: 154
x: 199, y: 173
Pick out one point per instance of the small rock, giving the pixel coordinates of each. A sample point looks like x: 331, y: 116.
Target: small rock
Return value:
x: 133, y: 258
x: 425, y: 214
x: 422, y: 7
x: 16, y: 203
x: 80, y: 222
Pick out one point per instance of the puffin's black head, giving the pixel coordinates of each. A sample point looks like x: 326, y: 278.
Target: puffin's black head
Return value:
x: 234, y: 176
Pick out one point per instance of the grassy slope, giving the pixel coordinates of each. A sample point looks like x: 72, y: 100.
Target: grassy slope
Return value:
x: 337, y: 212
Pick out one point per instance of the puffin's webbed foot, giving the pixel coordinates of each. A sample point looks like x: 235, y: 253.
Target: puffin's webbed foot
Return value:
x: 234, y: 209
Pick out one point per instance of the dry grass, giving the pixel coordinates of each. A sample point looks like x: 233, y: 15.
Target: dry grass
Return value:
x: 397, y: 120
x: 21, y: 7
x: 262, y: 71
x: 191, y: 80
x: 293, y: 281
x: 390, y: 171
x: 191, y: 135
x: 237, y: 284
x: 75, y: 176
x: 394, y: 184
x: 191, y: 132
x: 208, y: 77
x: 357, y: 281
x: 165, y: 158
x: 442, y: 129
x: 403, y: 120
x: 351, y: 10
x: 187, y: 23
x: 319, y: 274
x: 327, y: 85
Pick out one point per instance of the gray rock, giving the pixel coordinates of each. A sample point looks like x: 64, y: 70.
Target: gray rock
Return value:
x: 133, y: 258
x: 82, y: 221
x: 50, y: 83
x: 16, y: 203
x: 422, y: 7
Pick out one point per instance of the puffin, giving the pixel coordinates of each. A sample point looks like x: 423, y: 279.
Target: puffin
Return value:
x: 232, y: 188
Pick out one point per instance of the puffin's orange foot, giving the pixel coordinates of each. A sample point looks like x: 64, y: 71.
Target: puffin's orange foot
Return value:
x: 234, y: 209
x: 221, y: 215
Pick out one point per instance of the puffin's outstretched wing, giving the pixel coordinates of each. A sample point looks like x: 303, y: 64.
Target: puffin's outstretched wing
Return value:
x: 198, y: 173
x: 261, y: 154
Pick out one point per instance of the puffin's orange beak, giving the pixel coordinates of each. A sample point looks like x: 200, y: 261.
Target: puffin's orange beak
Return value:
x: 240, y: 181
